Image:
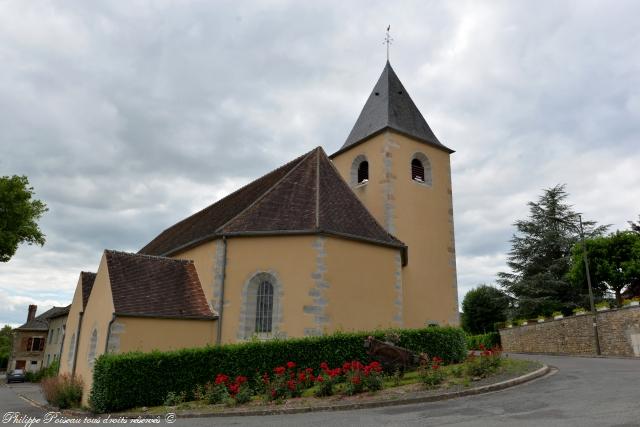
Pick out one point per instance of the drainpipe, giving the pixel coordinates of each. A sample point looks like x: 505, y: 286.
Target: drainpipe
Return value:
x: 223, y: 273
x: 75, y: 347
x: 106, y: 344
x: 64, y: 335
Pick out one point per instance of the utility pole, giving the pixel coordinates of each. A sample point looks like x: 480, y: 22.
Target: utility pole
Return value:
x: 593, y: 307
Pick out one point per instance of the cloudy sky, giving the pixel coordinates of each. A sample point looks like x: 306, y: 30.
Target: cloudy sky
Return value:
x: 128, y: 116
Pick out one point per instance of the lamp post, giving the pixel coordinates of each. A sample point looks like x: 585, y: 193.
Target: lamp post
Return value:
x: 593, y: 307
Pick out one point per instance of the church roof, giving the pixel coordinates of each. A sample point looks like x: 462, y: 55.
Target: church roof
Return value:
x: 390, y: 107
x: 150, y: 286
x: 86, y: 279
x: 305, y: 196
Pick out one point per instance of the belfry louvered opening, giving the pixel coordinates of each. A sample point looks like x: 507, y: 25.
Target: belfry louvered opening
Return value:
x: 417, y: 170
x: 264, y: 307
x: 363, y: 172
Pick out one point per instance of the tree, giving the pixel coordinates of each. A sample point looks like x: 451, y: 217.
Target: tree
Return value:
x: 482, y: 308
x: 19, y: 214
x: 540, y: 256
x: 5, y: 345
x: 614, y: 262
x: 635, y: 226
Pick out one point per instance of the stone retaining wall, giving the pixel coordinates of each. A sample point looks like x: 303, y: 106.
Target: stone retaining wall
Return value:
x: 618, y: 330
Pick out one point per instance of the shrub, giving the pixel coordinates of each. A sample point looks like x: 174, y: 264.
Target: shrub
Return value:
x: 326, y: 380
x: 373, y: 376
x: 174, y: 399
x: 284, y: 383
x: 63, y: 391
x: 122, y: 381
x: 217, y: 392
x: 488, y: 340
x: 430, y: 373
x: 487, y: 363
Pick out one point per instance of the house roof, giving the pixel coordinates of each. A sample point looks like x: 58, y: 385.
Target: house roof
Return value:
x: 390, y: 107
x: 305, y: 196
x: 151, y: 286
x: 41, y: 322
x: 59, y: 312
x: 86, y: 279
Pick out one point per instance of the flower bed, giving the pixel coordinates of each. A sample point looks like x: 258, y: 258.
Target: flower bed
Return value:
x: 292, y: 385
x: 122, y: 381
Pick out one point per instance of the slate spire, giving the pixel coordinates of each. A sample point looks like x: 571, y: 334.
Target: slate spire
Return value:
x: 390, y: 107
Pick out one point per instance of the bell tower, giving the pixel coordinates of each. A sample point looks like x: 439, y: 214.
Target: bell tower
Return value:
x: 401, y: 172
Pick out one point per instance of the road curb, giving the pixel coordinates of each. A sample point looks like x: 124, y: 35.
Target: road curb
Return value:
x: 583, y: 355
x: 544, y: 370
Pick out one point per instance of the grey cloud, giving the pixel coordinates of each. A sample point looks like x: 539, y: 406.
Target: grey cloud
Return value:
x: 129, y: 116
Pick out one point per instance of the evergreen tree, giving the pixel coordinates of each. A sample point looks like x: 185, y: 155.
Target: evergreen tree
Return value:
x: 482, y: 308
x: 540, y: 257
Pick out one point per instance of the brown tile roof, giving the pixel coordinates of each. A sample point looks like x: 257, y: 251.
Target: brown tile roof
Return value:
x: 41, y: 322
x: 143, y: 285
x: 86, y: 279
x: 305, y: 196
x: 203, y: 224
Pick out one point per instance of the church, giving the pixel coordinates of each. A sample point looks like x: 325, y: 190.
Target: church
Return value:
x: 360, y: 239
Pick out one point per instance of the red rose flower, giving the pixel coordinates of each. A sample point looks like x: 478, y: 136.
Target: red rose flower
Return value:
x: 319, y: 379
x: 291, y: 365
x: 279, y: 370
x: 221, y: 379
x: 291, y: 385
x: 324, y: 366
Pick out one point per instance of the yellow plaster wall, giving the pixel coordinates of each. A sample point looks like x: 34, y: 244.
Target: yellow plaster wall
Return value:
x: 72, y: 328
x: 362, y: 280
x: 419, y: 215
x: 98, y: 314
x: 292, y: 258
x: 147, y: 334
x: 204, y: 258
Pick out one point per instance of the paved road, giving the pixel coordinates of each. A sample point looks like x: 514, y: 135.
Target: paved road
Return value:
x: 584, y: 392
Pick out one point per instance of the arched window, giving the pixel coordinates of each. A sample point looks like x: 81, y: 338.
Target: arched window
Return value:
x: 363, y: 172
x: 261, y: 310
x: 72, y: 350
x: 93, y: 343
x: 360, y: 170
x: 421, y: 169
x: 264, y: 307
x: 417, y: 170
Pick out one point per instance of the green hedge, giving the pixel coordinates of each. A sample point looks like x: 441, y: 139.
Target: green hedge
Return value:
x: 489, y: 340
x: 122, y: 381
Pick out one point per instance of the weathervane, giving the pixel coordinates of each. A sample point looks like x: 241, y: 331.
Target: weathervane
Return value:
x: 388, y: 40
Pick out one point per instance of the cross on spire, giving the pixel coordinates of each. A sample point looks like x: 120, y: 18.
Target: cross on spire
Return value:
x: 388, y: 40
